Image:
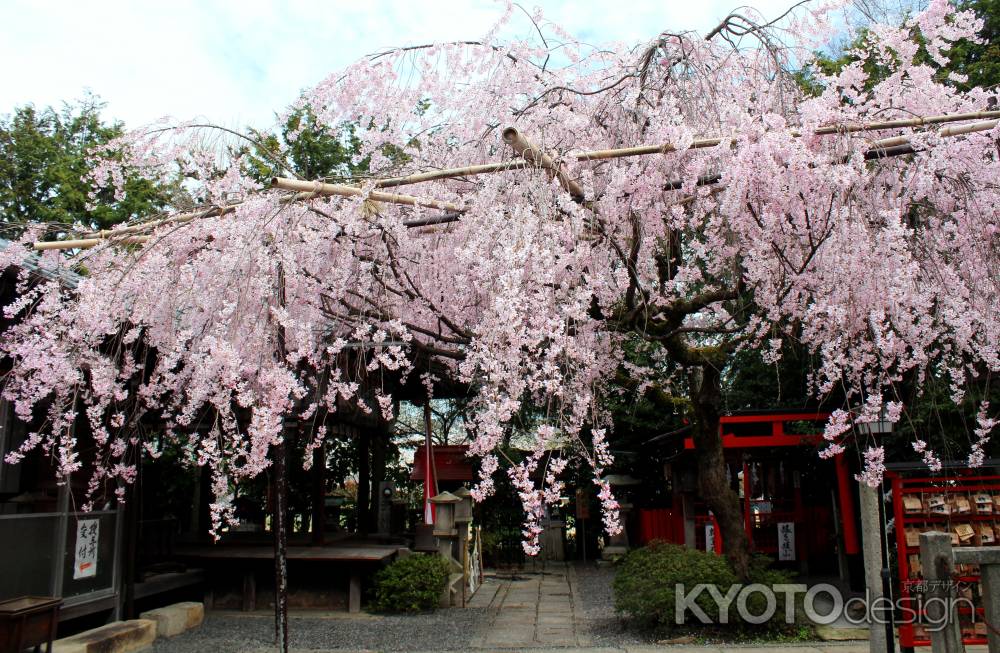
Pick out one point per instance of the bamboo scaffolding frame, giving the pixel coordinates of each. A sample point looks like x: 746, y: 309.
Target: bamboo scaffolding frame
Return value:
x: 645, y: 150
x: 533, y: 156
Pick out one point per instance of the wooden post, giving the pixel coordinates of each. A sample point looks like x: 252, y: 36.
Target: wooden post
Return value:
x: 364, y: 480
x: 379, y: 444
x: 991, y: 605
x: 354, y: 593
x: 988, y: 559
x: 937, y: 563
x: 249, y: 603
x: 871, y: 541
x: 59, y: 539
x: 319, y: 495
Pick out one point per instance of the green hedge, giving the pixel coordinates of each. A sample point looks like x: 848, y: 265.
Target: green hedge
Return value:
x: 410, y: 584
x: 644, y: 585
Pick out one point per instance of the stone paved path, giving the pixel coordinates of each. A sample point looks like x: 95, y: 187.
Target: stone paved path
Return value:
x: 637, y: 648
x: 532, y: 610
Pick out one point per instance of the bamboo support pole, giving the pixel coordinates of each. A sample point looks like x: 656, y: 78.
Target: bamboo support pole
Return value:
x: 449, y: 173
x: 642, y: 150
x: 645, y: 150
x: 87, y: 243
x: 171, y: 219
x: 444, y: 218
x: 319, y: 188
x: 180, y: 218
x: 906, y: 122
x: 947, y: 132
x: 532, y: 153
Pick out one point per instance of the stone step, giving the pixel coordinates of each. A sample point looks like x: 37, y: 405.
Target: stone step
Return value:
x: 117, y: 637
x: 841, y: 633
x: 172, y: 620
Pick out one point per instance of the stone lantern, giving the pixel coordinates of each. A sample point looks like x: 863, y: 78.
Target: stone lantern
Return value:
x: 463, y: 522
x: 444, y: 522
x: 619, y: 544
x: 463, y: 511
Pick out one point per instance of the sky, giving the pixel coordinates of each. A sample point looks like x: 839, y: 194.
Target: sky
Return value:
x: 240, y: 63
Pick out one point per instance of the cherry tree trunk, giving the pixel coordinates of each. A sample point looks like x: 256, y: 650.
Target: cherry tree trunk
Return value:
x: 364, y: 479
x: 279, y: 526
x: 706, y: 397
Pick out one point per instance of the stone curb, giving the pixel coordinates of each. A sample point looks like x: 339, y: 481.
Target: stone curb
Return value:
x: 117, y: 637
x: 172, y: 620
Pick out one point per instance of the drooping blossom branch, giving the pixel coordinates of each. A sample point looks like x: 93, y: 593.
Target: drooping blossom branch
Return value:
x: 883, y: 266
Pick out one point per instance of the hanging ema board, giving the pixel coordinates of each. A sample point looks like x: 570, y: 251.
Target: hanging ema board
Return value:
x: 87, y: 538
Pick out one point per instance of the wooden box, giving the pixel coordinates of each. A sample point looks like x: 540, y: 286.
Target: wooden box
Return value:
x: 28, y: 621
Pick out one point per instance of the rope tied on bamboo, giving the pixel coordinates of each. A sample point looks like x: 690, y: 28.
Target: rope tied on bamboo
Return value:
x: 314, y: 193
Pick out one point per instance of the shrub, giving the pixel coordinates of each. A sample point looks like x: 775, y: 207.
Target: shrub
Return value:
x: 411, y: 584
x: 644, y: 586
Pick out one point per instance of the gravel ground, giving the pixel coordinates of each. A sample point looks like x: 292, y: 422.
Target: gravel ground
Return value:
x: 597, y: 608
x: 239, y: 633
x: 454, y: 629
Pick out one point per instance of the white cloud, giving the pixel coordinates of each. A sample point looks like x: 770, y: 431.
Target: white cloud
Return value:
x: 237, y: 63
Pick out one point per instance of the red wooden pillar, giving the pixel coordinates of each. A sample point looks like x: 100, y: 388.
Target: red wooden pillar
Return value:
x: 747, y: 505
x: 848, y: 524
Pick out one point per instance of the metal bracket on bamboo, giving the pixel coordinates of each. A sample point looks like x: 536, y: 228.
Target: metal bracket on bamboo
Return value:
x: 532, y: 153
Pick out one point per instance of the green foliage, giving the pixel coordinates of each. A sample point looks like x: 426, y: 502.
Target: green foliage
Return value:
x: 305, y: 146
x: 933, y: 416
x: 411, y: 584
x: 313, y: 150
x: 750, y: 383
x: 646, y: 580
x: 980, y: 62
x: 43, y: 157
